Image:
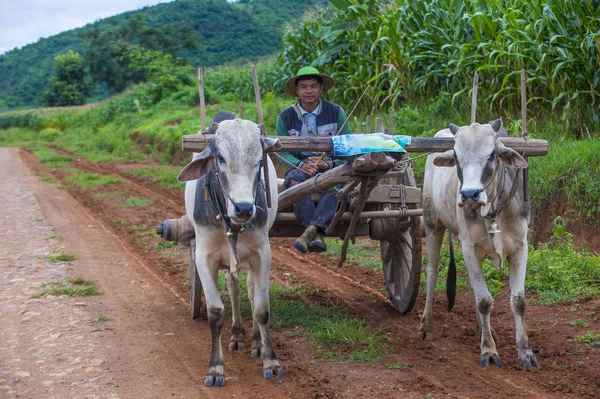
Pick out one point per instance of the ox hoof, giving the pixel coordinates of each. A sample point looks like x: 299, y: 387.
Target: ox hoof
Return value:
x: 236, y: 345
x: 527, y: 360
x: 425, y: 334
x: 255, y: 353
x: 269, y: 372
x: 217, y: 380
x: 486, y: 358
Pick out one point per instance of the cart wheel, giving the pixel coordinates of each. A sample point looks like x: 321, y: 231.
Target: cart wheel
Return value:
x: 195, y: 293
x: 401, y: 258
x: 401, y: 254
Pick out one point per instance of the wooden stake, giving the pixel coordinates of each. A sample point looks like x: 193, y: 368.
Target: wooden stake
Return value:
x: 261, y: 122
x: 391, y: 122
x: 241, y: 112
x: 357, y: 124
x: 524, y: 131
x: 368, y: 124
x: 474, y: 98
x: 377, y: 127
x: 202, y: 105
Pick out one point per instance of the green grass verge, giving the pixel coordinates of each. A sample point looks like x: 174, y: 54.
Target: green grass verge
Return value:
x: 163, y: 176
x: 49, y: 157
x: 87, y: 180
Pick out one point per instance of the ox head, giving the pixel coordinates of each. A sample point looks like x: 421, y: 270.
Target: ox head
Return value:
x: 235, y: 157
x: 478, y: 156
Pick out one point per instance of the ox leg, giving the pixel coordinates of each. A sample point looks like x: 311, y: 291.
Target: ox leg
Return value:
x: 435, y: 239
x: 238, y: 334
x: 256, y: 341
x: 483, y: 307
x: 517, y: 264
x: 261, y: 314
x: 215, y: 376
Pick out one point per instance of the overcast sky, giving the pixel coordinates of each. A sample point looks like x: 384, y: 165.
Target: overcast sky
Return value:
x: 25, y: 21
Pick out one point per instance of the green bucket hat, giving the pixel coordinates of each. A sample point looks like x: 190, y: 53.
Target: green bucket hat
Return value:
x: 290, y: 84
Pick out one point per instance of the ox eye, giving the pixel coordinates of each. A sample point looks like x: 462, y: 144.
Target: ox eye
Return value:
x: 492, y: 156
x: 221, y: 159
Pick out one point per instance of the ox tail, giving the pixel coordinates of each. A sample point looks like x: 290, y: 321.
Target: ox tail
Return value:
x: 451, y: 279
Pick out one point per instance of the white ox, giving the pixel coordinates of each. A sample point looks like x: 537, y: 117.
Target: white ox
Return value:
x: 231, y: 229
x: 470, y: 200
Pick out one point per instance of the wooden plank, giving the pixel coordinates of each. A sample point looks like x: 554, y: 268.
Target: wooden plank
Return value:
x: 383, y: 194
x: 291, y: 217
x: 533, y: 147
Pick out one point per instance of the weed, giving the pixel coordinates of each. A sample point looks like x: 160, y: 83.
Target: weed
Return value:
x: 99, y: 319
x: 50, y: 180
x: 572, y: 309
x: 53, y: 236
x: 135, y: 202
x: 590, y: 339
x: 579, y: 323
x: 397, y: 365
x: 63, y: 257
x: 71, y: 287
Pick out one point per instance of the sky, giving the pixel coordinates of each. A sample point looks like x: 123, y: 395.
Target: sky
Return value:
x: 25, y: 21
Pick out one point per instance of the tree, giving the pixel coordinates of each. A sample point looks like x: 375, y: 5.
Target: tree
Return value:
x: 70, y: 84
x: 107, y: 52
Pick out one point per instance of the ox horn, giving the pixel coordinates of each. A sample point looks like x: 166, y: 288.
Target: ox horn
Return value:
x: 496, y: 125
x: 453, y: 128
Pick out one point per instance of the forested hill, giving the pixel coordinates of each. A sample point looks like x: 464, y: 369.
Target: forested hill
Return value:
x: 225, y: 32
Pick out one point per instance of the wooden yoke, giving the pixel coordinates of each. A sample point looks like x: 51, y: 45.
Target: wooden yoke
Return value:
x: 534, y: 147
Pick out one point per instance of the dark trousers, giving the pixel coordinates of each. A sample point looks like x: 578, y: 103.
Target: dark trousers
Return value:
x: 305, y: 210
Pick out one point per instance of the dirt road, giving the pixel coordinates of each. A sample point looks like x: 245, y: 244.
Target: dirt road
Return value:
x: 148, y: 347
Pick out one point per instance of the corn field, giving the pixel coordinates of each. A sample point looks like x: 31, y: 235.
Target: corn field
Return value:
x: 412, y: 50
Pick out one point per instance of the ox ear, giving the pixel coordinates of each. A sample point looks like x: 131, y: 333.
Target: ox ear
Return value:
x: 496, y: 125
x: 446, y: 159
x: 510, y: 157
x: 453, y: 128
x: 199, y: 167
x: 271, y: 143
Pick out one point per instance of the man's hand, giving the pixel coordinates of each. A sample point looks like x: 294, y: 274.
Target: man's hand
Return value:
x: 319, y: 162
x: 309, y: 167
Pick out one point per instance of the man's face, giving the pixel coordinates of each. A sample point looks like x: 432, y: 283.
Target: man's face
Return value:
x: 309, y: 91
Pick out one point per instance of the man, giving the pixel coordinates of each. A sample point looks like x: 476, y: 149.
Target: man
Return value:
x: 310, y: 116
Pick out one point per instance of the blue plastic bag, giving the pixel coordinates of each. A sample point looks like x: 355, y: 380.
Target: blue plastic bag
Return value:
x: 355, y: 144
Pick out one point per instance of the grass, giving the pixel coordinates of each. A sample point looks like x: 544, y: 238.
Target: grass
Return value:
x: 397, y: 365
x: 163, y: 176
x: 71, y: 287
x: 365, y: 252
x: 49, y: 157
x: 337, y: 335
x: 135, y: 202
x: 579, y: 323
x: 62, y: 257
x: 50, y: 180
x: 86, y: 180
x: 590, y: 338
x: 99, y: 319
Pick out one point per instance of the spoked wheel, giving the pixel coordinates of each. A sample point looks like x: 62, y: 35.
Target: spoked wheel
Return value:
x: 195, y: 294
x: 401, y: 258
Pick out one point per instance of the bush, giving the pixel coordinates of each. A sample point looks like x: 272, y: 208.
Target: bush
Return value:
x: 50, y: 134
